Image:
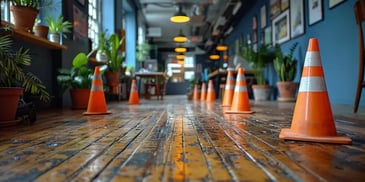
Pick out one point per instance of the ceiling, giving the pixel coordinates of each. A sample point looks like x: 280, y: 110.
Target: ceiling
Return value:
x: 210, y: 21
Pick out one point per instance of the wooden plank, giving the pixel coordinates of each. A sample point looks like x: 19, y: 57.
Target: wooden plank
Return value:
x: 176, y: 140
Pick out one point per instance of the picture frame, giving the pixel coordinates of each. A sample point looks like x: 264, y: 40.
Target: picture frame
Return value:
x: 82, y: 2
x: 268, y: 36
x: 274, y: 8
x: 284, y: 4
x: 254, y: 28
x: 80, y: 24
x: 263, y: 16
x: 254, y: 22
x: 296, y: 18
x: 333, y: 3
x: 315, y: 11
x: 280, y: 28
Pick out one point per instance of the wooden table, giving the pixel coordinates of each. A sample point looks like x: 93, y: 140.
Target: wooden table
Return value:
x: 157, y: 76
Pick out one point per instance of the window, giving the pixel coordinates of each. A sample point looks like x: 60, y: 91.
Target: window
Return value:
x: 94, y: 21
x: 180, y: 72
x: 5, y: 12
x: 189, y: 65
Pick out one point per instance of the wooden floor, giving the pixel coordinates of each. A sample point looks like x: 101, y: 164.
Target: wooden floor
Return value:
x: 177, y: 140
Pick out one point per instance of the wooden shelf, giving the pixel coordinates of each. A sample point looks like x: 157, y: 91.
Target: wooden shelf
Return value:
x: 33, y: 39
x: 94, y: 62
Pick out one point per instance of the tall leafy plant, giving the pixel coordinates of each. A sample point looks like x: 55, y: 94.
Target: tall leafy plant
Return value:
x: 284, y: 65
x: 115, y: 59
x: 257, y: 60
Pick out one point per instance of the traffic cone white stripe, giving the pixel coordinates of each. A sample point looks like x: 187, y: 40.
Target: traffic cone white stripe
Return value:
x: 230, y: 78
x: 241, y: 78
x: 240, y: 89
x: 312, y: 59
x: 96, y: 88
x: 312, y: 84
x: 210, y: 89
x: 229, y: 87
x: 134, y: 89
x: 203, y: 89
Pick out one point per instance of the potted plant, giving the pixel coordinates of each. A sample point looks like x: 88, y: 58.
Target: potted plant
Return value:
x: 26, y: 11
x: 286, y: 68
x: 40, y: 29
x: 78, y: 79
x: 258, y: 60
x: 101, y: 55
x: 57, y: 27
x: 114, y: 64
x: 143, y: 52
x: 14, y: 81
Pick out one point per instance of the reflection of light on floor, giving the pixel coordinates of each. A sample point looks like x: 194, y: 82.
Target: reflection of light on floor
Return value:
x: 178, y: 152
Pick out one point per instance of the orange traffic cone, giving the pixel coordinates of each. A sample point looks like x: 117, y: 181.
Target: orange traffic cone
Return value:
x: 196, y: 95
x: 228, y: 90
x: 240, y: 101
x: 210, y: 92
x: 133, y: 96
x: 203, y: 92
x: 312, y: 118
x: 97, y: 104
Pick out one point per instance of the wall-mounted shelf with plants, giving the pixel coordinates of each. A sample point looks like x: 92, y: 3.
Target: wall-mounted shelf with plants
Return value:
x: 31, y: 38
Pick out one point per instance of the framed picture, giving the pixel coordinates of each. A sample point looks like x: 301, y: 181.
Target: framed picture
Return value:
x: 263, y: 16
x: 79, y: 22
x: 333, y: 3
x: 315, y: 11
x: 254, y: 29
x: 296, y: 18
x: 268, y: 36
x: 254, y: 22
x: 274, y: 8
x: 82, y: 2
x: 280, y: 28
x: 284, y: 5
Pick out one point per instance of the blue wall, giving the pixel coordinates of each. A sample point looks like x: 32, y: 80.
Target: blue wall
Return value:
x: 337, y: 36
x: 108, y: 18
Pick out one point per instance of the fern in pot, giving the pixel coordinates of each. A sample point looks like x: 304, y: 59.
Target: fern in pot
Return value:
x: 14, y: 81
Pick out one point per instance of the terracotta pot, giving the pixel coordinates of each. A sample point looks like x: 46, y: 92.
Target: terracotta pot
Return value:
x: 41, y: 31
x: 113, y: 81
x: 24, y: 17
x: 79, y: 98
x: 261, y: 92
x: 287, y: 91
x: 10, y: 96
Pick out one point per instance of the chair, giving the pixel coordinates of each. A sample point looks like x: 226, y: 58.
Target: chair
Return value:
x: 359, y: 9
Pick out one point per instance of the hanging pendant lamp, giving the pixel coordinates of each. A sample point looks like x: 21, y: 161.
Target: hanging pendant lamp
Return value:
x: 180, y: 49
x: 221, y: 47
x: 181, y: 38
x: 180, y: 16
x: 214, y: 56
x: 180, y: 56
